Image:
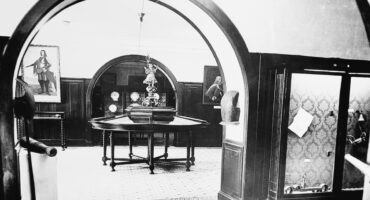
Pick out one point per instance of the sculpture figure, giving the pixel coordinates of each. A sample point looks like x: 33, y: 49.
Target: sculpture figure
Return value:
x: 153, y: 98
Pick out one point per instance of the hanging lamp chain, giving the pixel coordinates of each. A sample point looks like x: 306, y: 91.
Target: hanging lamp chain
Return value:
x: 141, y: 19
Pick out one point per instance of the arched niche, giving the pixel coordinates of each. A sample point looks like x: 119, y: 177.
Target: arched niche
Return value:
x: 127, y: 59
x: 229, y: 48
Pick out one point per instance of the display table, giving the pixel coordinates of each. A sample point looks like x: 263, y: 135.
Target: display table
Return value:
x: 123, y: 125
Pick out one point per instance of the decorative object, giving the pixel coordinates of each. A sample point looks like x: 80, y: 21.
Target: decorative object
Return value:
x: 40, y: 69
x: 152, y: 99
x: 229, y: 111
x: 149, y: 110
x: 134, y: 97
x: 212, y: 85
x: 112, y: 108
x: 358, y: 120
x: 114, y: 95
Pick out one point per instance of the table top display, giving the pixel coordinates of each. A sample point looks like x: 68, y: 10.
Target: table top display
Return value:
x: 148, y: 113
x: 123, y: 122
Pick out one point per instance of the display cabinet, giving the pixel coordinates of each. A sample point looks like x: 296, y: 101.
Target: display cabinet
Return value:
x: 318, y: 117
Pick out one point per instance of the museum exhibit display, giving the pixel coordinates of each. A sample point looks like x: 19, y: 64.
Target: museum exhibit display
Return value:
x: 148, y: 118
x: 319, y: 117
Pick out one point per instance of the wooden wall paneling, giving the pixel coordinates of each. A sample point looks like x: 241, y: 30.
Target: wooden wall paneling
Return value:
x: 87, y: 127
x: 190, y: 104
x: 75, y: 113
x: 264, y: 126
x: 10, y: 167
x: 232, y: 168
x: 45, y: 130
x: 73, y: 104
x: 191, y: 97
x: 97, y: 110
x: 276, y: 140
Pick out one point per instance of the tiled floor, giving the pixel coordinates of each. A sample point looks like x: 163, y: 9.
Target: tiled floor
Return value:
x: 81, y: 176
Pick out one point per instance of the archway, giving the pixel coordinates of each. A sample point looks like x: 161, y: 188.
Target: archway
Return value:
x: 236, y: 58
x: 124, y: 59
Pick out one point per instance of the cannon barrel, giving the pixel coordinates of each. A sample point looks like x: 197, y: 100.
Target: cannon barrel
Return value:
x: 38, y: 147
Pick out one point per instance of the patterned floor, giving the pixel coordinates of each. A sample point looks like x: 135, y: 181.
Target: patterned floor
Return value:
x: 81, y: 176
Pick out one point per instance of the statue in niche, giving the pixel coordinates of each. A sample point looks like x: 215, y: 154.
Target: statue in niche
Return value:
x: 150, y: 70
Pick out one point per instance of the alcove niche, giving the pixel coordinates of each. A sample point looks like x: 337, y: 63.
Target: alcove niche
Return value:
x: 124, y: 75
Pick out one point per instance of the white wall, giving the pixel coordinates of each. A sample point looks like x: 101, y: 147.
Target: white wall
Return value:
x: 314, y: 28
x: 324, y: 28
x: 91, y: 33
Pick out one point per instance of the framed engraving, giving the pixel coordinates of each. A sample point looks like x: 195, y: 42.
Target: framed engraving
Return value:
x: 40, y: 69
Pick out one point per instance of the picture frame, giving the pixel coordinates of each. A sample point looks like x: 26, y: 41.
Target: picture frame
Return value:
x: 42, y: 73
x: 212, y: 85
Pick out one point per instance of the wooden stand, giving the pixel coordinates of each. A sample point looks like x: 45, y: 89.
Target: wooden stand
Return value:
x: 54, y: 116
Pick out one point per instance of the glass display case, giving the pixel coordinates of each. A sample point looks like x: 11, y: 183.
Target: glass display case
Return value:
x: 357, y: 132
x: 317, y: 118
x: 310, y: 154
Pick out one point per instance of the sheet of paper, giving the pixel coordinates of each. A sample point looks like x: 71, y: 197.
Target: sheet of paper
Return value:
x: 301, y: 122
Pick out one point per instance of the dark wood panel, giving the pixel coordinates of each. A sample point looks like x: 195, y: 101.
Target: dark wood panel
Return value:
x: 73, y: 104
x: 191, y: 105
x: 75, y: 118
x: 232, y: 171
x: 7, y: 161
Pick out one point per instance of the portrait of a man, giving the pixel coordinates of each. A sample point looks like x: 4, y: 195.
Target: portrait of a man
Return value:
x: 40, y: 70
x: 212, y: 85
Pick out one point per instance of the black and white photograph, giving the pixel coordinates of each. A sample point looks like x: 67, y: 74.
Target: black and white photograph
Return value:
x: 184, y: 100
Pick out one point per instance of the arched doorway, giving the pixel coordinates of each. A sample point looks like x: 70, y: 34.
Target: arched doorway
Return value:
x: 235, y: 57
x: 126, y: 59
x: 125, y: 68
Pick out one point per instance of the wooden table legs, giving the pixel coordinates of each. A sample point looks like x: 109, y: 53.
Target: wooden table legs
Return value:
x: 63, y: 136
x: 104, y: 138
x: 189, y: 150
x: 166, y: 145
x: 150, y: 159
x: 130, y: 144
x: 151, y: 152
x: 112, y: 163
x: 192, y: 148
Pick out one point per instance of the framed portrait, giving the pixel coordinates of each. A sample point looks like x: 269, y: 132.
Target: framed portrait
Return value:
x: 212, y: 85
x: 40, y: 69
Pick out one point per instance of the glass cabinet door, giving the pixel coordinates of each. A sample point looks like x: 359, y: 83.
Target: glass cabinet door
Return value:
x: 310, y: 157
x: 357, y: 131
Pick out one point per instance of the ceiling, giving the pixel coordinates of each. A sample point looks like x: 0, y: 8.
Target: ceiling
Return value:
x: 98, y: 32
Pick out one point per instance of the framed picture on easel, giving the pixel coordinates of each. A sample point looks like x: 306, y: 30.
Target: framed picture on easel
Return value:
x: 212, y: 85
x: 40, y: 69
